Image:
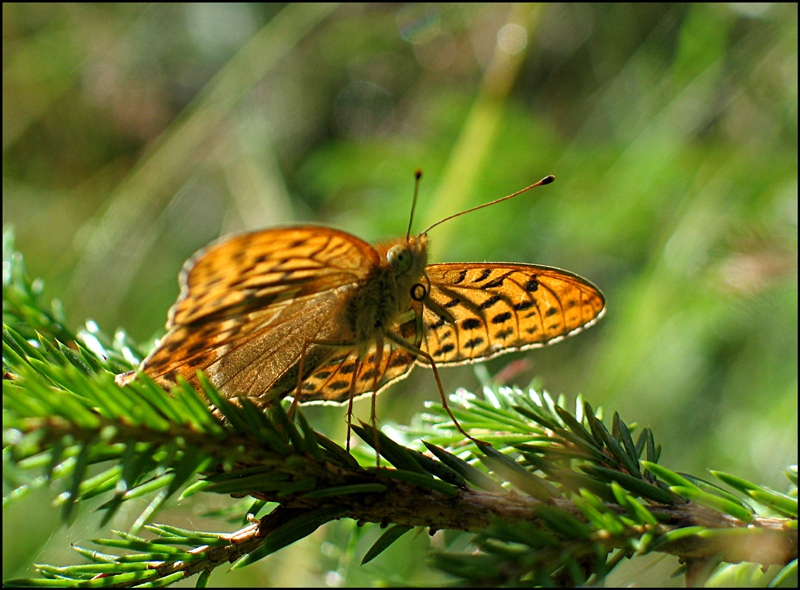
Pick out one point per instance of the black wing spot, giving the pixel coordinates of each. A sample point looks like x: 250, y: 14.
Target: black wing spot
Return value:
x: 503, y: 334
x: 207, y: 331
x: 439, y: 323
x: 501, y: 318
x: 172, y: 346
x: 196, y: 347
x: 347, y: 369
x: 572, y: 303
x: 264, y: 258
x: 444, y: 350
x: 523, y: 305
x: 484, y: 275
x: 399, y: 360
x: 551, y: 311
x: 339, y: 385
x: 495, y: 283
x: 452, y: 303
x: 489, y: 302
x: 371, y: 374
x: 532, y: 285
x: 461, y: 276
x: 245, y: 276
x: 322, y: 375
x: 532, y: 330
x: 473, y: 342
x: 471, y: 323
x: 307, y: 386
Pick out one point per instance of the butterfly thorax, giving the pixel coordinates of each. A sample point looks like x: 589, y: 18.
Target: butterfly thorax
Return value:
x: 386, y: 294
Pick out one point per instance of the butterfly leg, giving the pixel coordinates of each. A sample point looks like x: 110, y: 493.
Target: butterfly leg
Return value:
x: 296, y: 400
x: 351, y: 396
x: 421, y: 353
x: 375, y: 378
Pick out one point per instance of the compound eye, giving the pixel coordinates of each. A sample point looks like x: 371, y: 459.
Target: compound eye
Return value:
x: 418, y: 292
x: 399, y: 257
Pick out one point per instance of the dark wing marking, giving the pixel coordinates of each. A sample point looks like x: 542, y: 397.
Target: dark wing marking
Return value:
x: 333, y: 380
x: 495, y: 308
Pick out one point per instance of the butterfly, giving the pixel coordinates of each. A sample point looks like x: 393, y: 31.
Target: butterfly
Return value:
x: 321, y: 315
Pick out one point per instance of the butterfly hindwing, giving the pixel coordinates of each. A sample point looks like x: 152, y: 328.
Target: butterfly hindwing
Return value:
x: 477, y: 311
x: 333, y: 381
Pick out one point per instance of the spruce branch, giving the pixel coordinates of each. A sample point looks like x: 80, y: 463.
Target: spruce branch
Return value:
x: 553, y: 496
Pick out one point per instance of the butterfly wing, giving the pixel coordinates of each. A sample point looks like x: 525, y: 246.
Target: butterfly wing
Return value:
x: 262, y: 268
x: 332, y: 382
x: 476, y: 311
x: 249, y: 303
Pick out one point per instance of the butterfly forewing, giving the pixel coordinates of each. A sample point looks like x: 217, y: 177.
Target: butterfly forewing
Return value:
x: 249, y: 304
x: 477, y: 311
x: 260, y: 268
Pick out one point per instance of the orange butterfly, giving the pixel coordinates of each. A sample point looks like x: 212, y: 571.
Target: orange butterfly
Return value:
x: 321, y: 315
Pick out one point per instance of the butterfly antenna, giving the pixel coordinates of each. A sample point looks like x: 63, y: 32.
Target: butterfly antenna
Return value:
x: 543, y: 181
x: 417, y: 175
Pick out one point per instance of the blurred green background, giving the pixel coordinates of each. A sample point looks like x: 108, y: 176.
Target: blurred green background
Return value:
x: 134, y: 134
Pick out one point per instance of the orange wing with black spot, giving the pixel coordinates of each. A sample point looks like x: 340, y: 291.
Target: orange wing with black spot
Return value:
x: 250, y: 303
x: 476, y: 311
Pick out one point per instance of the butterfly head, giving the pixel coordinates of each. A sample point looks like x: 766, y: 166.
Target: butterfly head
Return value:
x: 408, y: 257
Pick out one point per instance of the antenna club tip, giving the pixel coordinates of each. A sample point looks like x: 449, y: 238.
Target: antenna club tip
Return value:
x: 418, y: 173
x: 547, y: 179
